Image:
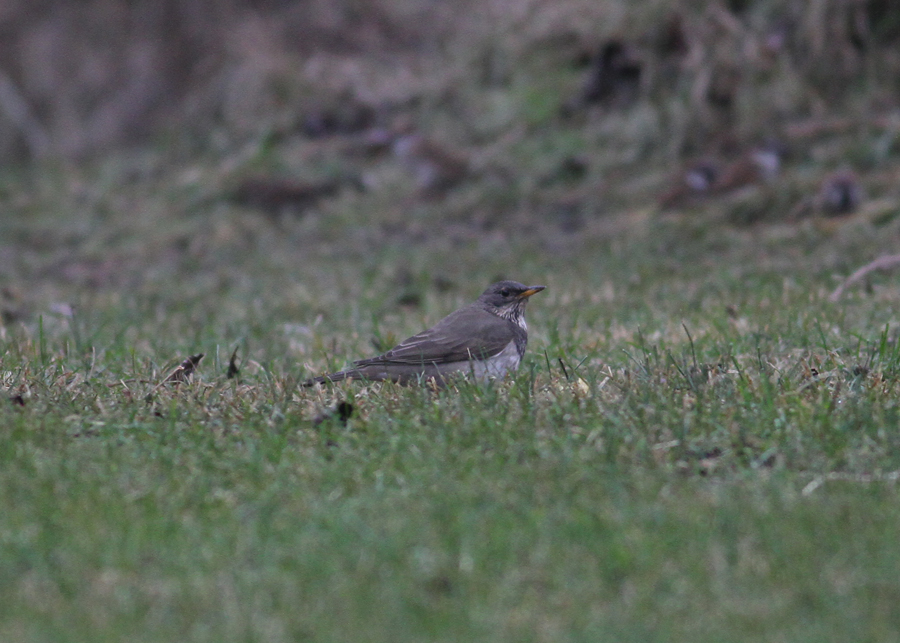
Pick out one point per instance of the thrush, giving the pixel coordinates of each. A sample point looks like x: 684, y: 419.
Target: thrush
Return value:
x: 486, y: 339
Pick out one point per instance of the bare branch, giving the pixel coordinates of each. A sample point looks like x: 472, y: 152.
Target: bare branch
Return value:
x: 885, y: 262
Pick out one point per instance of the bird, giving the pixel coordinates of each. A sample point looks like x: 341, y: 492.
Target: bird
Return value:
x: 485, y: 339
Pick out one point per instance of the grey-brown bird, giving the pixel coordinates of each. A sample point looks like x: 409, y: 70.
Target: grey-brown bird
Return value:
x: 486, y: 339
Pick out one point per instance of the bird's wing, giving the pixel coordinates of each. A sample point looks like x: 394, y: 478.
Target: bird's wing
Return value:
x: 483, y: 335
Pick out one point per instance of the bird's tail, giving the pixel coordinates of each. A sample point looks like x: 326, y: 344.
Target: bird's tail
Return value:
x: 334, y: 377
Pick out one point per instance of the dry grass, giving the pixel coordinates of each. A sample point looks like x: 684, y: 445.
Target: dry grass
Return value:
x: 104, y: 73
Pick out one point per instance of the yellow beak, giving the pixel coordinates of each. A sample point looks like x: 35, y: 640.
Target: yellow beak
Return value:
x: 531, y: 291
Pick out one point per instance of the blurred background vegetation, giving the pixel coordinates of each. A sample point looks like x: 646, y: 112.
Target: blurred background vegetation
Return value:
x: 82, y: 78
x: 144, y: 134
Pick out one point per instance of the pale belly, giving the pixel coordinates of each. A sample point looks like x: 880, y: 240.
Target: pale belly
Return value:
x: 506, y: 361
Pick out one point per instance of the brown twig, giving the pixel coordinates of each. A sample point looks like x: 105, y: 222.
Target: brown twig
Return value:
x: 824, y: 126
x: 233, y: 370
x: 864, y: 478
x: 180, y: 374
x: 885, y: 262
x: 184, y: 370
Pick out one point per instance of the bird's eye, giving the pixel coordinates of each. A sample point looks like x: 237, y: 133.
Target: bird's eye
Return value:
x: 504, y: 292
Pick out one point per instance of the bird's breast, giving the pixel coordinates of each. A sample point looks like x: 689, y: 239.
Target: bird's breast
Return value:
x: 506, y: 361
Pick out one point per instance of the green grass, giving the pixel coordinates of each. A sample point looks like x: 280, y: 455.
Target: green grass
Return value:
x: 713, y: 463
x: 699, y: 446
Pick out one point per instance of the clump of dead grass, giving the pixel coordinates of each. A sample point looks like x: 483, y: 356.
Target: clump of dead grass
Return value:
x: 104, y: 74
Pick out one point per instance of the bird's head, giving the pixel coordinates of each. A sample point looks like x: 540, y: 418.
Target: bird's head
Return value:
x: 508, y: 298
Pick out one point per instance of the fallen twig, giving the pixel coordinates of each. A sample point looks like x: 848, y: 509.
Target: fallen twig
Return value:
x: 822, y: 127
x: 233, y: 370
x: 818, y: 481
x: 885, y: 262
x: 181, y: 373
x: 184, y: 370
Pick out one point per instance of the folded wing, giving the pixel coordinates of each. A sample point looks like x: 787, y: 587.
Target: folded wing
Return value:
x: 483, y: 335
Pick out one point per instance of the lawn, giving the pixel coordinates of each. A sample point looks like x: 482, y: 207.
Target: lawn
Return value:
x: 700, y: 444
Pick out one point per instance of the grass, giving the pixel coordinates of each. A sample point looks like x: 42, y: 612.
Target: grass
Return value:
x: 699, y: 445
x: 693, y: 449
